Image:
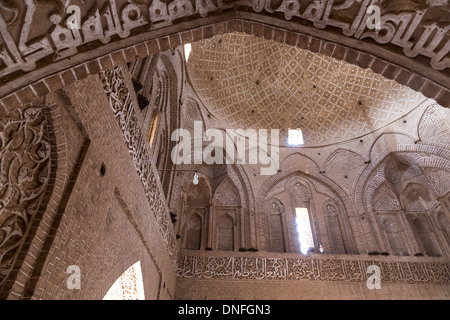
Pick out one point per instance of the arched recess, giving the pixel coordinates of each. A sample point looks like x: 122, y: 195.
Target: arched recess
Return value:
x: 417, y: 197
x: 297, y: 159
x: 225, y: 231
x: 275, y: 239
x: 195, y: 213
x: 302, y: 196
x: 297, y: 189
x: 390, y: 217
x: 137, y: 258
x: 433, y: 127
x: 444, y: 225
x: 220, y: 176
x: 398, y: 191
x: 228, y: 217
x: 212, y: 211
x: 335, y: 29
x: 190, y: 113
x: 425, y: 236
x: 194, y: 232
x: 335, y: 228
x: 337, y: 192
x: 343, y: 166
x: 418, y: 202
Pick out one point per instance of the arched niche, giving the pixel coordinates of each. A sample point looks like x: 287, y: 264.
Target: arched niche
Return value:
x: 198, y: 195
x: 302, y: 191
x: 417, y: 198
x: 335, y: 228
x: 391, y: 226
x: 193, y: 234
x: 443, y: 221
x: 276, y: 226
x: 226, y: 195
x: 212, y: 210
x: 400, y: 168
x: 162, y: 116
x: 301, y: 198
x: 390, y: 218
x: 425, y: 236
x: 224, y: 230
x: 403, y: 195
x: 227, y: 217
x: 195, y: 210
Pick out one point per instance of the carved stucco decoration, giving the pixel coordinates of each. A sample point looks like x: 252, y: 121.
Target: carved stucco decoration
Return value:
x: 24, y: 176
x: 271, y: 268
x: 122, y: 105
x: 32, y: 30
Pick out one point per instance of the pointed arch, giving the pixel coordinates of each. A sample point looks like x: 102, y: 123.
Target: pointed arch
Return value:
x: 299, y: 161
x: 417, y: 197
x: 335, y: 228
x: 425, y: 236
x: 276, y: 223
x: 225, y: 231
x: 388, y: 142
x: 129, y: 286
x: 193, y: 234
x: 434, y: 125
x: 398, y: 170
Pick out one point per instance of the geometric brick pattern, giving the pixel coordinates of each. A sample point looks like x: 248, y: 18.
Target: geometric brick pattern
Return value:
x: 120, y: 99
x: 128, y: 286
x: 244, y: 81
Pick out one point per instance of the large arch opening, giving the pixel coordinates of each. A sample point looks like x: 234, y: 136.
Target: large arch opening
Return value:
x: 60, y: 56
x: 129, y: 286
x: 371, y: 176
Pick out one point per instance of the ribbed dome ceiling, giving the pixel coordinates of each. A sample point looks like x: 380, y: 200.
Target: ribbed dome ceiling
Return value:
x: 249, y: 82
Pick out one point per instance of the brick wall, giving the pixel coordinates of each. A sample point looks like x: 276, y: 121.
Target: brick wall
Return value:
x: 107, y: 224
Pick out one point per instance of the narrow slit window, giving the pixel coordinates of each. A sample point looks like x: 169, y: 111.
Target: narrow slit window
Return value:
x: 152, y: 129
x: 187, y: 51
x: 305, y: 236
x: 295, y: 137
